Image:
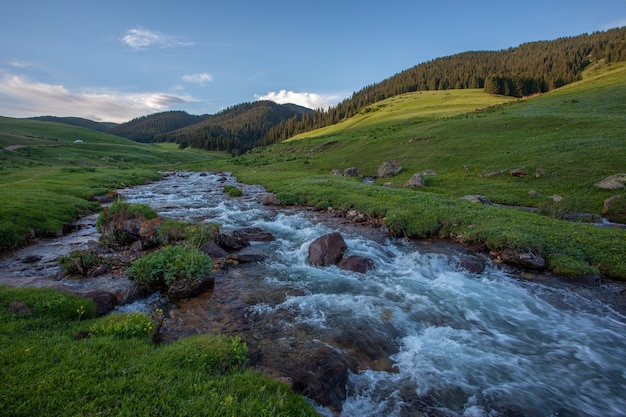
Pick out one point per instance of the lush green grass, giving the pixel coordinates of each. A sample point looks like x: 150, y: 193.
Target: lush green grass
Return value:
x: 116, y: 371
x: 49, y: 180
x: 574, y: 137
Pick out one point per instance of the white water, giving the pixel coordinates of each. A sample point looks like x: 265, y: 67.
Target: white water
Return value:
x: 468, y: 345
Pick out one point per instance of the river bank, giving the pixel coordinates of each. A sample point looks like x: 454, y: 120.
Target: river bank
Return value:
x: 419, y: 332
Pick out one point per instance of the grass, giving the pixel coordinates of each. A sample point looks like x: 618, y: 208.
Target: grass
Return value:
x: 45, y: 370
x: 571, y: 138
x: 48, y: 180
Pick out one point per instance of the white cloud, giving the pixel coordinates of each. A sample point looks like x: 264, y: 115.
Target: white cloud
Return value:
x: 201, y: 78
x: 310, y: 100
x: 22, y: 97
x: 615, y: 24
x: 138, y: 38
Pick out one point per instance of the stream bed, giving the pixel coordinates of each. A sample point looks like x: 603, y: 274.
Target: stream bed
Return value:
x: 416, y: 336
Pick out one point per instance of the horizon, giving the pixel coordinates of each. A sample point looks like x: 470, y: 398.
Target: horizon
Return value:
x: 115, y: 62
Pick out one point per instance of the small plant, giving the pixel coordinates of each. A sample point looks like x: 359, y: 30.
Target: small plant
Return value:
x: 162, y: 268
x: 233, y: 191
x: 123, y: 326
x: 194, y: 234
x: 122, y: 210
x: 79, y: 262
x: 81, y: 312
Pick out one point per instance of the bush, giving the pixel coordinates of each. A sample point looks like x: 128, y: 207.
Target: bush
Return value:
x: 195, y: 234
x: 233, y: 191
x: 170, y: 263
x: 79, y: 262
x: 120, y: 209
x: 123, y: 326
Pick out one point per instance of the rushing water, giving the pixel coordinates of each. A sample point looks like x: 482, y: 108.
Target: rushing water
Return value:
x: 465, y: 344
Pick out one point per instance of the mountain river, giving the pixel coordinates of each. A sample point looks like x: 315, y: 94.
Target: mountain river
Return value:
x: 420, y: 335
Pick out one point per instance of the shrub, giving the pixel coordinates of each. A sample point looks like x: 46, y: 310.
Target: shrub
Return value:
x: 120, y: 209
x: 170, y: 263
x: 233, y: 191
x: 123, y: 326
x: 79, y: 262
x: 195, y: 234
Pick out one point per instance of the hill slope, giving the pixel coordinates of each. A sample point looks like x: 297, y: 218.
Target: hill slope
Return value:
x: 146, y: 128
x: 565, y: 140
x: 78, y: 121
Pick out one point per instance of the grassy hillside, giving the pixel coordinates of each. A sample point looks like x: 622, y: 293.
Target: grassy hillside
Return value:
x: 567, y: 140
x: 47, y: 180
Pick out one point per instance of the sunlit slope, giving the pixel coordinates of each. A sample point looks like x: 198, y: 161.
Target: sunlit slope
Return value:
x: 421, y: 105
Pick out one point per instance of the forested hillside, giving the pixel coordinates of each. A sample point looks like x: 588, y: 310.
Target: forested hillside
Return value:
x: 145, y: 128
x: 236, y: 129
x: 530, y: 68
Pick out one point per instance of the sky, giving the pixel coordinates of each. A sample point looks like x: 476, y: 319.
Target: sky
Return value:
x: 113, y: 61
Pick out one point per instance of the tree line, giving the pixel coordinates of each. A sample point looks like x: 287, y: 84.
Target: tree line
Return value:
x: 530, y: 68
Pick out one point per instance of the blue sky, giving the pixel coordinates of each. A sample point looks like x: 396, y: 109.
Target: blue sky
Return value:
x: 117, y: 60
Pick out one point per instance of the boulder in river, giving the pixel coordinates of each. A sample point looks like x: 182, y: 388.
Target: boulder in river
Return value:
x: 526, y: 259
x: 356, y: 263
x: 327, y: 250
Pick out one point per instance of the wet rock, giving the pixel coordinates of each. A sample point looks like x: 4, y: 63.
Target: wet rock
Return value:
x: 186, y: 288
x: 214, y: 250
x: 246, y: 257
x: 416, y: 181
x: 350, y: 172
x: 229, y: 241
x: 327, y: 249
x: 614, y: 182
x: 100, y: 270
x: 105, y: 301
x: 473, y: 264
x: 30, y: 259
x: 389, y: 169
x: 254, y: 234
x: 356, y: 263
x: 21, y: 309
x: 525, y: 259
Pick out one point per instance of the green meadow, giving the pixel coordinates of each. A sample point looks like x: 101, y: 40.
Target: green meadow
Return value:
x: 566, y: 140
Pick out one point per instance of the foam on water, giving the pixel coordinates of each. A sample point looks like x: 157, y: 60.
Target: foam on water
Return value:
x: 467, y: 345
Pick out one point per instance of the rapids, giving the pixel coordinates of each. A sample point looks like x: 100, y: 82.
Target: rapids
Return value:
x: 422, y: 335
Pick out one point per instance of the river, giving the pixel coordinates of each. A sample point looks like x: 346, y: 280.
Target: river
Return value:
x: 425, y: 336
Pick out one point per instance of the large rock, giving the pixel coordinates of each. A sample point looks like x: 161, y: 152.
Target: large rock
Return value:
x: 214, y: 250
x: 525, y: 259
x: 389, y: 169
x: 270, y: 200
x: 356, y: 263
x: 254, y: 234
x: 327, y: 249
x: 614, y: 182
x: 105, y: 301
x: 416, y: 181
x: 229, y: 241
x: 350, y: 172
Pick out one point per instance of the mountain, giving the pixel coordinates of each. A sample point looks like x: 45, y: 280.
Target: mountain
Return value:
x: 236, y: 129
x: 145, y: 128
x: 77, y: 121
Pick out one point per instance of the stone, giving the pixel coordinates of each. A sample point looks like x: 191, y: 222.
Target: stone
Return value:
x: 213, y: 250
x: 416, y: 181
x: 526, y: 259
x: 254, y: 234
x: 232, y: 242
x: 105, y: 301
x: 149, y: 232
x: 614, y: 182
x: 556, y: 198
x: 473, y: 264
x: 429, y: 172
x: 30, y: 259
x: 478, y: 199
x: 539, y: 172
x: 244, y: 258
x: 356, y: 263
x: 327, y: 250
x: 350, y: 172
x: 389, y: 169
x: 270, y: 200
x: 21, y: 309
x: 534, y: 193
x: 518, y: 172
x: 495, y: 173
x: 336, y: 172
